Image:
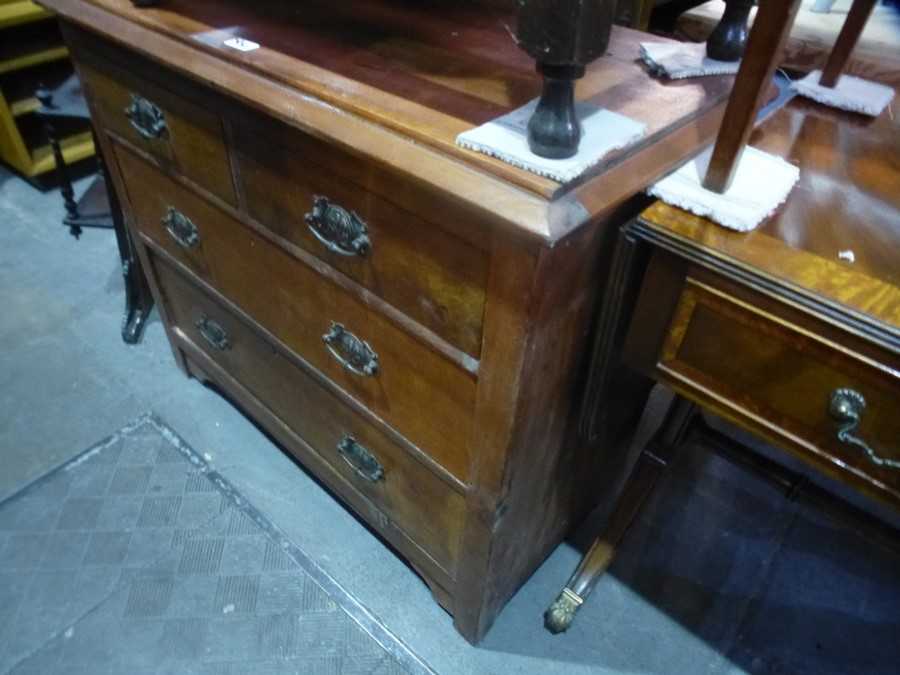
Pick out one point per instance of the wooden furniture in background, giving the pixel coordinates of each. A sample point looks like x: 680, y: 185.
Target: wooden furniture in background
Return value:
x: 728, y: 39
x: 791, y: 331
x: 58, y: 105
x: 407, y: 317
x: 99, y: 205
x: 763, y: 53
x: 876, y: 55
x: 32, y: 55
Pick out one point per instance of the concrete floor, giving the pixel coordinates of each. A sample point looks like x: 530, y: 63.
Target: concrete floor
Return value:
x: 722, y: 574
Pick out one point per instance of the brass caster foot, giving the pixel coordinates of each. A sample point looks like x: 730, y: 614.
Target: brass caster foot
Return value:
x: 559, y: 617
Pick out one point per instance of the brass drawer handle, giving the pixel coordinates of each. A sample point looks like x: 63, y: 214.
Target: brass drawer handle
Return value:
x: 353, y: 353
x: 846, y: 406
x: 213, y: 332
x: 341, y: 231
x: 360, y: 459
x: 181, y: 228
x: 147, y: 118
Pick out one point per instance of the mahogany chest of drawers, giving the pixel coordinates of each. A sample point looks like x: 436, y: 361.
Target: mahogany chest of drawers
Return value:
x: 407, y: 318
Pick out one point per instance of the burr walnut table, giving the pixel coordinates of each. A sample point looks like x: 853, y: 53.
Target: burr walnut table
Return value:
x: 791, y: 331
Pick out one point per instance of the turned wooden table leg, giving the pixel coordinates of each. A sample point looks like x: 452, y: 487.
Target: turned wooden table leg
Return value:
x: 554, y: 130
x: 764, y: 47
x: 727, y: 41
x: 563, y: 36
x: 653, y: 461
x: 853, y: 26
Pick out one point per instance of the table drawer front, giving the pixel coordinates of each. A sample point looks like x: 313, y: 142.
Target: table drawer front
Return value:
x: 434, y: 278
x: 388, y: 371
x: 184, y: 136
x: 403, y: 491
x: 782, y: 377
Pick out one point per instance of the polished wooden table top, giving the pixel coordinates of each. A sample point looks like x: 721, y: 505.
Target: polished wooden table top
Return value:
x: 837, y: 237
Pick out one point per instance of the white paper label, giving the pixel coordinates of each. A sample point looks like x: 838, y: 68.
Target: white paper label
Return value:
x: 241, y: 44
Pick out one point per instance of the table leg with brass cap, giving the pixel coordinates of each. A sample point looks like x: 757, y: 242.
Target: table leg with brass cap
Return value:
x: 651, y: 464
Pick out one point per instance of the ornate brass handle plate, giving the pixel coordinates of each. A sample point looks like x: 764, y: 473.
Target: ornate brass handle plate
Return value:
x: 180, y: 227
x: 341, y: 231
x: 847, y: 406
x: 213, y: 332
x: 360, y: 459
x: 356, y: 355
x: 147, y: 118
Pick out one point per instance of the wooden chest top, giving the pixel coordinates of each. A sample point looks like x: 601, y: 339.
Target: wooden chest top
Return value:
x: 400, y: 82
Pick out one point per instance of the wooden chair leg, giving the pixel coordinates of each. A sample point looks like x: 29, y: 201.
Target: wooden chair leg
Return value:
x: 652, y: 463
x: 853, y: 26
x: 765, y: 44
x: 62, y: 170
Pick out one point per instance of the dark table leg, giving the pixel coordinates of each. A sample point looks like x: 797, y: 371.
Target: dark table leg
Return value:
x: 650, y: 466
x: 563, y: 36
x: 554, y: 130
x: 138, y: 299
x: 729, y: 37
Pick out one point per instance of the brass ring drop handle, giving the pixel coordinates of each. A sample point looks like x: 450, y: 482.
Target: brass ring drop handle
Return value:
x: 147, y: 118
x: 356, y: 355
x: 360, y: 459
x: 341, y: 231
x: 180, y: 227
x: 213, y: 332
x: 847, y: 406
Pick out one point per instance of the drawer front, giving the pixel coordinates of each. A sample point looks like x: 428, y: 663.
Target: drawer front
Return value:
x: 437, y: 280
x: 420, y: 393
x: 782, y: 377
x: 402, y: 490
x: 184, y: 136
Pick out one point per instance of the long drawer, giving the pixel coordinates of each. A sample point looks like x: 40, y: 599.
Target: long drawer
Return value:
x: 405, y: 493
x: 184, y: 135
x: 391, y: 373
x: 778, y: 370
x: 436, y: 279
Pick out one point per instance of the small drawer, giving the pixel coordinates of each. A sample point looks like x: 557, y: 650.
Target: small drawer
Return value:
x: 184, y: 136
x: 405, y: 494
x: 434, y: 278
x: 391, y: 373
x: 793, y: 381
